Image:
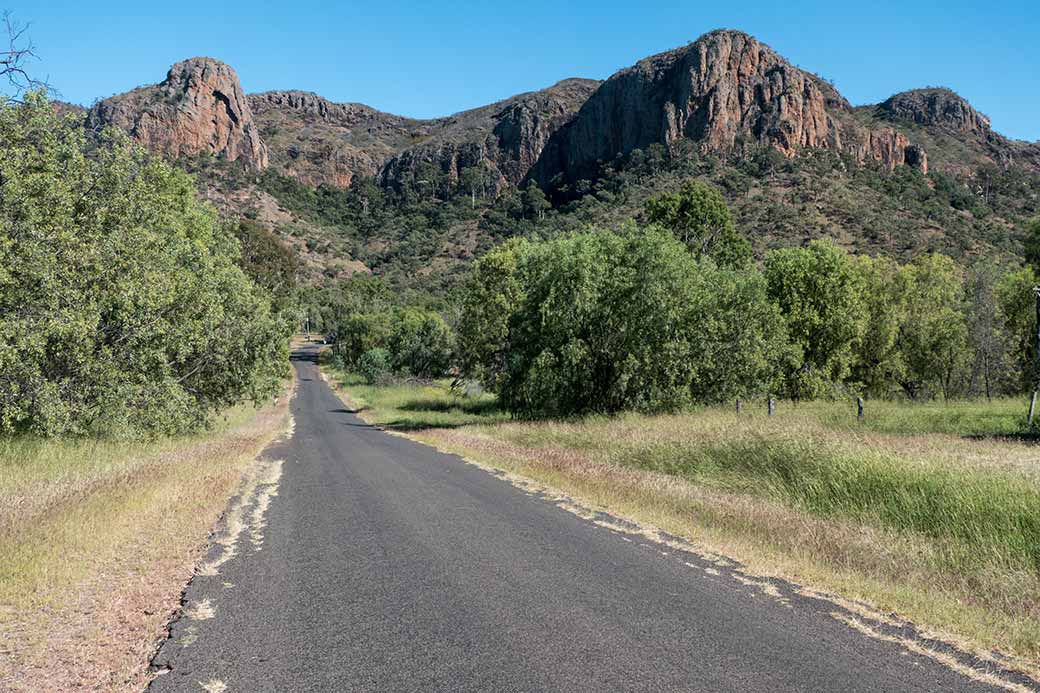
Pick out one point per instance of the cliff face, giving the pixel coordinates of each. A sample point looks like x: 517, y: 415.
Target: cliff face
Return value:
x: 199, y: 107
x: 321, y: 142
x: 504, y: 139
x: 721, y: 90
x: 959, y: 137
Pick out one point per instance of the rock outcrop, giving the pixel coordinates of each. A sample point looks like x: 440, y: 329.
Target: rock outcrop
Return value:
x: 934, y: 108
x: 959, y: 137
x: 199, y: 107
x: 320, y: 142
x: 723, y: 90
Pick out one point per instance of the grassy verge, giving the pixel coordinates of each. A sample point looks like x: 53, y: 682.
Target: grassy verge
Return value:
x: 98, y: 538
x: 942, y: 529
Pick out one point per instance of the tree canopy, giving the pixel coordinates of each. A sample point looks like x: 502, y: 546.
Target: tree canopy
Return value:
x: 608, y: 321
x: 700, y: 218
x: 122, y: 308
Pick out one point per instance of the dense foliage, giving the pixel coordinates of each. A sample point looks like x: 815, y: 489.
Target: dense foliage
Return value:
x: 410, y: 342
x: 674, y: 312
x: 699, y: 217
x: 122, y: 308
x: 442, y: 219
x: 614, y: 321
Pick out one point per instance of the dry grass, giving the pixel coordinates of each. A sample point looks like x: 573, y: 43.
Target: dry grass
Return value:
x: 98, y: 541
x: 956, y: 554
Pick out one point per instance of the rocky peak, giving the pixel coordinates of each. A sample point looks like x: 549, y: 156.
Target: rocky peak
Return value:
x: 199, y: 107
x: 934, y: 107
x: 724, y: 89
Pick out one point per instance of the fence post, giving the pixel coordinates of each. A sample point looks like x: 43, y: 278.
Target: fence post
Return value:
x: 738, y: 405
x: 1032, y: 402
x: 859, y: 409
x: 771, y: 405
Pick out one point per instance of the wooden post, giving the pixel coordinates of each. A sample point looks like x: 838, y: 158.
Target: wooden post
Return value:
x: 771, y: 405
x: 1036, y: 387
x: 738, y: 405
x: 859, y: 409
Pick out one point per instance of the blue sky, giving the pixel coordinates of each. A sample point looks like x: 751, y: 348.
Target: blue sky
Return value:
x: 425, y: 59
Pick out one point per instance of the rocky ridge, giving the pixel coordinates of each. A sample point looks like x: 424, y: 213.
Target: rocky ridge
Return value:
x: 505, y: 139
x: 934, y: 107
x: 318, y: 141
x: 721, y: 92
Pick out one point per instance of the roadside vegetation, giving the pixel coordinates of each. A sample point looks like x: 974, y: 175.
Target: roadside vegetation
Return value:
x: 99, y: 537
x: 124, y: 306
x: 677, y: 313
x: 143, y: 351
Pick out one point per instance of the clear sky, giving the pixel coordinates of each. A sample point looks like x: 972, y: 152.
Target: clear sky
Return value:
x: 425, y: 59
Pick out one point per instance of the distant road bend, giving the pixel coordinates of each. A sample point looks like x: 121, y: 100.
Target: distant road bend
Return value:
x: 358, y: 560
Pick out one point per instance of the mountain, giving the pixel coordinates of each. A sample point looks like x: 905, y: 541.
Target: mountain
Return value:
x: 319, y: 142
x: 725, y: 88
x: 506, y: 137
x: 352, y: 188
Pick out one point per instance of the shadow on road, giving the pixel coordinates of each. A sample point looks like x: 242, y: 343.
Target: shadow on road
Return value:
x: 307, y: 354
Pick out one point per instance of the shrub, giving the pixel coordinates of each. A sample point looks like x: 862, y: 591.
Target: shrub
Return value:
x: 374, y: 365
x: 421, y: 343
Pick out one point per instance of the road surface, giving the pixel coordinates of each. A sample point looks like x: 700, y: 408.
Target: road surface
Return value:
x: 360, y: 560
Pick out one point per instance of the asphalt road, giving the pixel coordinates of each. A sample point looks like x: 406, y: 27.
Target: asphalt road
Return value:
x: 377, y: 563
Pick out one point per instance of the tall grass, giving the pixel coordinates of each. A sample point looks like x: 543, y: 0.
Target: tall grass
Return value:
x: 40, y: 474
x: 1004, y: 416
x: 983, y: 519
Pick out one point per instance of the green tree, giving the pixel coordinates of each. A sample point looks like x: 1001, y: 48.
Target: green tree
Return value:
x: 491, y: 296
x: 605, y: 322
x: 374, y: 365
x: 1018, y: 312
x: 699, y: 217
x: 473, y: 180
x: 933, y: 338
x: 535, y: 204
x: 818, y: 291
x: 737, y: 336
x: 1032, y: 244
x: 122, y: 309
x: 988, y: 338
x: 877, y: 366
x: 421, y: 343
x: 266, y: 260
x: 358, y: 333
